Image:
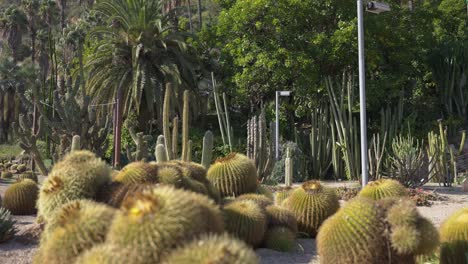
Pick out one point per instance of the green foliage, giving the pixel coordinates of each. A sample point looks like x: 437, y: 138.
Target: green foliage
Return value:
x: 383, y: 189
x: 213, y: 249
x: 233, y: 175
x: 154, y: 221
x: 8, y: 152
x: 311, y: 204
x: 246, y: 220
x: 7, y: 225
x: 20, y: 198
x: 454, y: 238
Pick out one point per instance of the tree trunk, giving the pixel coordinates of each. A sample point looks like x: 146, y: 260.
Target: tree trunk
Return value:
x: 199, y: 15
x: 118, y: 129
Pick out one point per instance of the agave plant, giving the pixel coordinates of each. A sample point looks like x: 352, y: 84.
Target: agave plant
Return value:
x: 7, y: 225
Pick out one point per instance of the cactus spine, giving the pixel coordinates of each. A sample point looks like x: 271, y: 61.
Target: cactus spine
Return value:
x: 207, y: 153
x: 185, y: 127
x: 166, y: 113
x: 75, y: 143
x: 288, y: 167
x: 160, y: 153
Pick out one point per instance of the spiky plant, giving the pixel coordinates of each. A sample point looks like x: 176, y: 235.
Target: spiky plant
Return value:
x: 171, y: 175
x: 6, y: 175
x: 355, y: 234
x: 311, y: 204
x: 76, y: 227
x: 382, y: 189
x: 220, y: 249
x: 234, y: 174
x: 138, y: 172
x: 259, y: 199
x: 246, y: 220
x: 155, y: 221
x: 115, y: 193
x: 20, y: 198
x: 108, y: 253
x: 7, y: 225
x: 194, y: 186
x: 21, y: 168
x: 278, y: 216
x: 281, y: 196
x: 280, y: 239
x: 454, y: 238
x: 28, y: 175
x: 262, y: 189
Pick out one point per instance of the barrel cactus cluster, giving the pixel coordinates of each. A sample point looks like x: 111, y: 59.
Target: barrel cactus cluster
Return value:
x: 382, y: 189
x: 454, y: 238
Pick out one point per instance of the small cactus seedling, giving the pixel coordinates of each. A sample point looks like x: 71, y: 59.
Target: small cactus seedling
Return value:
x: 233, y: 175
x: 454, y: 238
x: 311, y: 204
x: 157, y: 220
x: 246, y: 220
x: 20, y: 198
x: 222, y: 249
x: 383, y: 189
x: 7, y: 225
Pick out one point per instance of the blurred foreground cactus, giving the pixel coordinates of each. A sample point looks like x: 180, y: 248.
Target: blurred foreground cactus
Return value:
x: 383, y: 188
x: 454, y: 238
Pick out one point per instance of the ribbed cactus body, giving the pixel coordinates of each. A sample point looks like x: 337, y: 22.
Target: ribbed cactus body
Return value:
x: 219, y: 249
x: 108, y: 253
x: 454, y: 238
x: 281, y: 196
x: 20, y: 198
x: 233, y: 175
x: 311, y: 204
x: 79, y: 225
x: 137, y: 172
x: 160, y: 219
x: 207, y: 152
x: 115, y: 193
x: 246, y: 220
x: 382, y: 189
x: 185, y: 127
x: 278, y: 216
x: 262, y: 189
x: 280, y: 239
x: 6, y: 175
x: 259, y: 199
x: 28, y: 175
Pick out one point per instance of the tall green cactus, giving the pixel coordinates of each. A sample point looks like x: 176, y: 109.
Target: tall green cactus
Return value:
x: 166, y: 114
x: 75, y: 143
x: 376, y: 156
x: 185, y: 126
x: 259, y: 148
x: 207, y: 152
x: 160, y: 153
x: 175, y: 136
x: 320, y: 142
x: 288, y: 173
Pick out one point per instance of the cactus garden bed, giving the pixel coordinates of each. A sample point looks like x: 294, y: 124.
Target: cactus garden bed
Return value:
x: 24, y: 246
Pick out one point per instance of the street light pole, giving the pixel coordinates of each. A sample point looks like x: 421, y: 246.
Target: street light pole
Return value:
x: 278, y: 94
x: 362, y: 92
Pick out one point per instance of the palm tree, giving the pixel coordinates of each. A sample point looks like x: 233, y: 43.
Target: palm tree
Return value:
x: 137, y: 53
x: 13, y: 24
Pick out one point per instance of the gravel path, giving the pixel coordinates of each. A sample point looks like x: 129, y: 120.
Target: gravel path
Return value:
x: 21, y: 249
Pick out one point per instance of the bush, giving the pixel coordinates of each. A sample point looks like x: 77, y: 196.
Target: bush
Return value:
x: 299, y: 167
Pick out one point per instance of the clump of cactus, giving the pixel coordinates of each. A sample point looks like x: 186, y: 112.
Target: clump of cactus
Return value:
x: 7, y: 225
x: 281, y: 196
x: 108, y: 253
x: 382, y: 189
x: 213, y: 249
x: 14, y: 167
x: 262, y: 189
x: 156, y: 220
x: 454, y: 238
x: 115, y: 193
x: 78, y: 176
x: 259, y: 199
x: 20, y: 198
x: 366, y: 231
x: 311, y: 204
x: 280, y: 239
x: 278, y: 216
x: 28, y: 175
x: 6, y: 175
x: 137, y: 172
x: 77, y: 226
x: 246, y: 220
x: 233, y: 175
x: 21, y: 168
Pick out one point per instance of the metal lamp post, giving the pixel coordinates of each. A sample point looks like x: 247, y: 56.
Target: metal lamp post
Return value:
x: 373, y: 7
x: 278, y: 94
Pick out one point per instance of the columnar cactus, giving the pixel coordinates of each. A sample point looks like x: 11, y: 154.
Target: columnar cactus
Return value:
x: 20, y: 198
x: 166, y: 116
x: 185, y: 127
x: 454, y: 238
x: 161, y: 154
x: 78, y: 226
x: 213, y: 249
x: 207, y: 152
x: 382, y: 189
x: 288, y: 169
x: 311, y: 204
x: 76, y: 143
x: 246, y: 220
x: 160, y: 219
x: 233, y: 175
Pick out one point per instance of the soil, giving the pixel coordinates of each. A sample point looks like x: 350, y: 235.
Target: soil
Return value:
x: 21, y: 249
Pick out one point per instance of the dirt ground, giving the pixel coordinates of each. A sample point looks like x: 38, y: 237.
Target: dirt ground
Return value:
x: 21, y: 249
